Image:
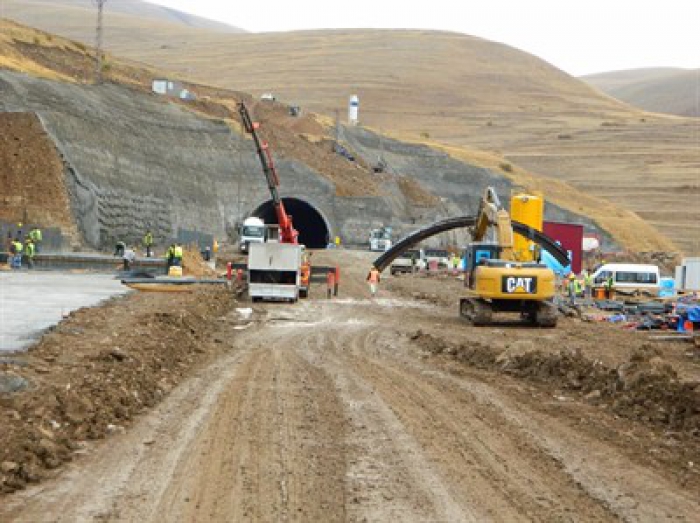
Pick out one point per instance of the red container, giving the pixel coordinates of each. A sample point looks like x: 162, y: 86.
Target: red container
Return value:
x: 571, y: 237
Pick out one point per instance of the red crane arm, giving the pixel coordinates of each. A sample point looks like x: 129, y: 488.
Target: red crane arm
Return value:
x: 288, y: 234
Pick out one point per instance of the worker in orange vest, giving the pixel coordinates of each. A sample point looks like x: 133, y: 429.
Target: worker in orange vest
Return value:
x: 373, y: 279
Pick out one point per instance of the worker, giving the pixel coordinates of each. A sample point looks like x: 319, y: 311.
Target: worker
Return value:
x: 571, y: 288
x: 129, y: 257
x: 609, y: 291
x: 17, y: 248
x: 37, y: 238
x: 119, y: 249
x: 373, y: 279
x: 587, y: 284
x: 170, y: 256
x: 455, y: 261
x: 29, y: 250
x: 330, y: 282
x: 148, y: 243
x: 337, y: 242
x: 177, y: 255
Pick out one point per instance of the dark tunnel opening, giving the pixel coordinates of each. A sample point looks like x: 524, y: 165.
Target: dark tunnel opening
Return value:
x: 313, y: 231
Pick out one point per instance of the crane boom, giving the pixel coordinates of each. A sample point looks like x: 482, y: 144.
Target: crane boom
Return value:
x: 288, y: 234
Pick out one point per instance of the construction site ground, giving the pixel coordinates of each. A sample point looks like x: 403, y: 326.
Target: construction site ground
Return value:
x: 191, y: 407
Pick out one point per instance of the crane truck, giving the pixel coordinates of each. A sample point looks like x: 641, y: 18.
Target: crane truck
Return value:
x: 276, y: 270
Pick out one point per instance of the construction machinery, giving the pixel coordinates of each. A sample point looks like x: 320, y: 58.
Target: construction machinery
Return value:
x: 380, y: 239
x: 498, y: 279
x: 501, y: 278
x: 276, y: 270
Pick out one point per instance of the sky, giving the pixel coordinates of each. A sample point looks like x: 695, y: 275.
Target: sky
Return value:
x: 578, y: 36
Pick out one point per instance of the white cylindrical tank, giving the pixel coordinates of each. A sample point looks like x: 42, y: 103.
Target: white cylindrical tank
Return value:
x: 353, y: 109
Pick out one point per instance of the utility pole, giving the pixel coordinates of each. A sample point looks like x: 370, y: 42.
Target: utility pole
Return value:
x: 98, y: 40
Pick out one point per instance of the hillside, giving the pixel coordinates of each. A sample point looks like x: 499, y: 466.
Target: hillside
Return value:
x: 454, y: 89
x: 76, y: 18
x: 661, y: 90
x: 27, y: 52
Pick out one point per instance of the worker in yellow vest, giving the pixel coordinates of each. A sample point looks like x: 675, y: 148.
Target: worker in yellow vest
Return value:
x: 36, y: 236
x: 17, y: 248
x: 177, y: 255
x: 29, y: 251
x: 148, y: 243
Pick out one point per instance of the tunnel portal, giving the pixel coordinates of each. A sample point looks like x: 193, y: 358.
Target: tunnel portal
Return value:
x: 312, y: 227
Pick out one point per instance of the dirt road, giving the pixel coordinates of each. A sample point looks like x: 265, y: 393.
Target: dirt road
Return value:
x: 330, y: 411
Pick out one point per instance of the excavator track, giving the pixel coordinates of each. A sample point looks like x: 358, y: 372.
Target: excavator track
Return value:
x: 546, y: 315
x: 476, y: 311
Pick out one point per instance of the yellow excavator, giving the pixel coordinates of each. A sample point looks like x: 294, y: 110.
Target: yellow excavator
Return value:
x: 500, y: 277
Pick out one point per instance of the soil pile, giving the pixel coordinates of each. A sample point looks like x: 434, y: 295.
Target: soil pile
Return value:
x: 32, y: 182
x: 194, y: 265
x: 95, y: 372
x: 645, y: 388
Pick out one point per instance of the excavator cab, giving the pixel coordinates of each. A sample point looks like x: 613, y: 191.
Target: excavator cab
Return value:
x: 476, y: 254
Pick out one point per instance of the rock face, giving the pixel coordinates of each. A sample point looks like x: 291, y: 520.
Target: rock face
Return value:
x: 134, y: 162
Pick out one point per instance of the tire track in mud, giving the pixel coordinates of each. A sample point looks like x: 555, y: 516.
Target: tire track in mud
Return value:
x: 498, y: 454
x: 388, y: 478
x: 274, y: 451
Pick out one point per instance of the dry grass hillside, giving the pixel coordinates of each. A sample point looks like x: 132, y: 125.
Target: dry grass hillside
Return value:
x: 455, y: 89
x: 466, y: 93
x: 662, y: 90
x: 75, y: 14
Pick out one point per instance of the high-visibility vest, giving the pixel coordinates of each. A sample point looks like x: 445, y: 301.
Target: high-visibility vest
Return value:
x: 148, y: 239
x: 35, y: 235
x: 18, y: 247
x: 29, y: 246
x: 177, y: 252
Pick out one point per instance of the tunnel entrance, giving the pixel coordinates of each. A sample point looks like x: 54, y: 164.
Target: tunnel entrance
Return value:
x: 312, y: 227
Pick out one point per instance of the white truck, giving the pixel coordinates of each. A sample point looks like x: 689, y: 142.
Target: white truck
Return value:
x: 252, y: 231
x: 274, y: 271
x: 380, y: 239
x: 408, y: 262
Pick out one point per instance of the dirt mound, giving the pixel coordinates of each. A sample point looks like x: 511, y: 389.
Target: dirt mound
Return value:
x: 123, y: 358
x: 645, y: 388
x: 194, y: 265
x: 32, y: 182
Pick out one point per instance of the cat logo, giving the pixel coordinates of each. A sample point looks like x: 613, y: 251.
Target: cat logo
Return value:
x: 519, y: 284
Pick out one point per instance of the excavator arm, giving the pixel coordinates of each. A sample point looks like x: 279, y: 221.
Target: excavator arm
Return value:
x: 491, y: 214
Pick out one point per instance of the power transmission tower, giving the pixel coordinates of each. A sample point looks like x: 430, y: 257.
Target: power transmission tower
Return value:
x: 98, y: 40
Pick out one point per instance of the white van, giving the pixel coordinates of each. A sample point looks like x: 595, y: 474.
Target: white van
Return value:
x: 629, y: 277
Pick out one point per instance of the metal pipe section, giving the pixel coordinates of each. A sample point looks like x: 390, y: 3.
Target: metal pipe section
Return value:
x: 412, y: 239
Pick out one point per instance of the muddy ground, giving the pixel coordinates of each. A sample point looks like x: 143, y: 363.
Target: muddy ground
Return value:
x: 348, y: 409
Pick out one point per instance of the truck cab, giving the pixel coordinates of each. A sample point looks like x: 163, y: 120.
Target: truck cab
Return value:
x: 252, y: 231
x: 380, y: 239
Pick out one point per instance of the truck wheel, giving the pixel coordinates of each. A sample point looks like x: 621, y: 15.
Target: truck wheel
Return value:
x: 303, y: 293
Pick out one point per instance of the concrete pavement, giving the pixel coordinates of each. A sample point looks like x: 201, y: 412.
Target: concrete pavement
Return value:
x: 30, y: 302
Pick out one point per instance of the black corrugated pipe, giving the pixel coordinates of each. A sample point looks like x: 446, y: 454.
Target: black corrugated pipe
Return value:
x: 528, y: 232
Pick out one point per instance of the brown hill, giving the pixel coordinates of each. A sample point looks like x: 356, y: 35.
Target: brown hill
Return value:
x: 78, y: 17
x: 661, y: 90
x: 462, y: 91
